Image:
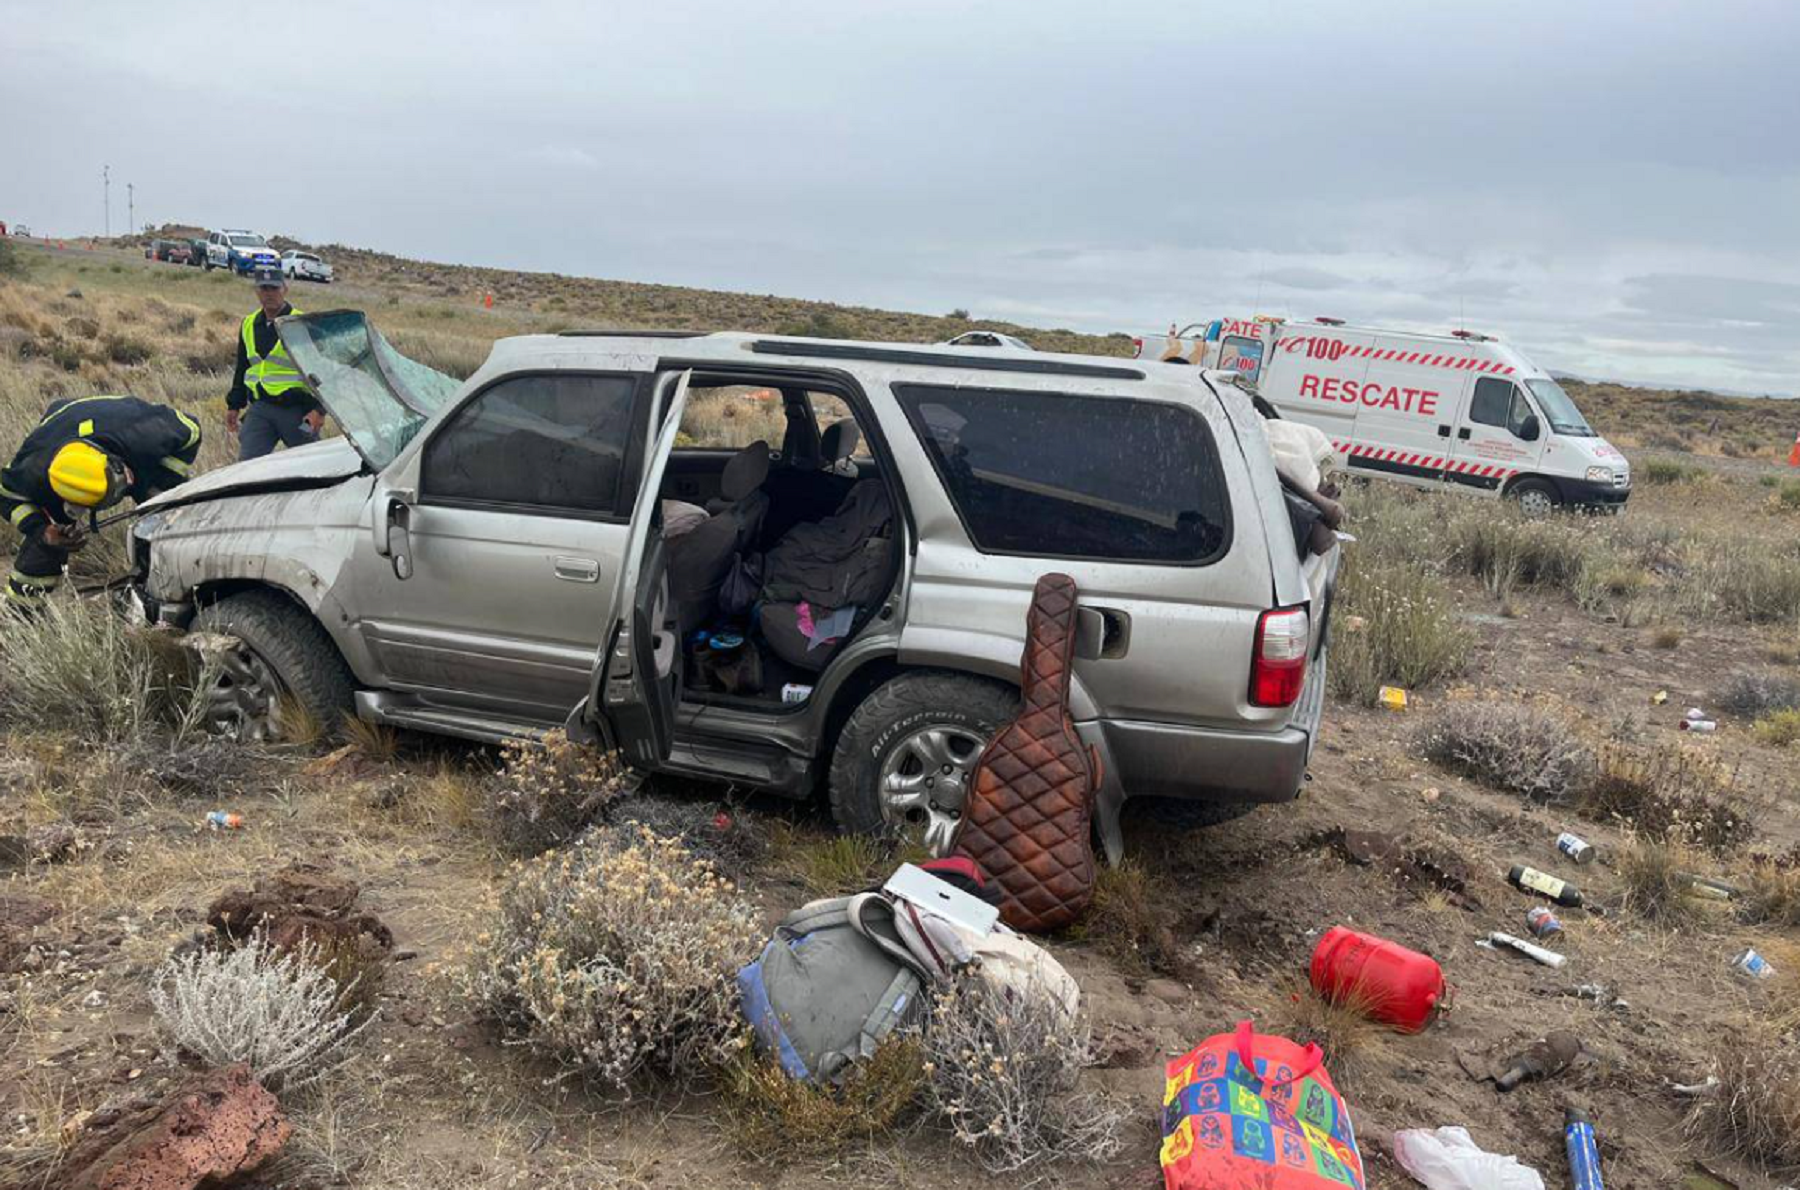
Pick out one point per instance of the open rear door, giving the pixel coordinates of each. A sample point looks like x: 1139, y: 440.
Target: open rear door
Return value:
x: 632, y: 699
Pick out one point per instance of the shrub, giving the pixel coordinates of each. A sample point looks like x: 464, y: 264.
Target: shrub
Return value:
x: 1755, y: 695
x: 1520, y: 749
x: 125, y: 351
x: 1771, y: 893
x: 1668, y: 636
x: 1651, y: 871
x: 1755, y: 1111
x: 617, y: 957
x: 279, y: 1012
x: 1741, y: 579
x: 1668, y: 792
x: 549, y: 791
x: 12, y: 261
x: 1789, y: 496
x: 1136, y: 918
x: 1778, y: 729
x: 1409, y: 635
x: 200, y: 767
x: 1665, y: 471
x: 775, y: 1117
x: 78, y: 666
x: 1004, y: 1075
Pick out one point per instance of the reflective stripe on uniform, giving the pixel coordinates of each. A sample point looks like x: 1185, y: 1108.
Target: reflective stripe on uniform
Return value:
x: 193, y: 428
x: 28, y: 586
x: 176, y: 465
x: 77, y: 401
x: 23, y: 513
x: 85, y: 429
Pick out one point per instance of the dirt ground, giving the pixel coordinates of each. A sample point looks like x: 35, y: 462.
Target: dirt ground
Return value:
x: 434, y: 1099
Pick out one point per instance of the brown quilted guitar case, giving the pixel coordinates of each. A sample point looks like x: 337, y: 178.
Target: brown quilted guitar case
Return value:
x: 1027, y: 822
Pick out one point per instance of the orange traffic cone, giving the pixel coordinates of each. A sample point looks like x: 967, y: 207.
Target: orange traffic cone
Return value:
x: 1794, y: 452
x: 490, y: 305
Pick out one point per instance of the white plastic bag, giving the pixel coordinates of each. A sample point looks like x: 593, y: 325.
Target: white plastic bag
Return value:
x: 1447, y: 1159
x: 1302, y: 453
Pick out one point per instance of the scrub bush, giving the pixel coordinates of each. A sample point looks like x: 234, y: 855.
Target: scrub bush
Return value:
x: 280, y: 1012
x: 549, y: 791
x: 1668, y: 792
x: 1666, y: 471
x: 775, y: 1117
x: 617, y: 958
x: 78, y: 666
x: 1778, y: 729
x: 1003, y: 1075
x: 1407, y: 633
x: 1756, y: 695
x: 1520, y: 749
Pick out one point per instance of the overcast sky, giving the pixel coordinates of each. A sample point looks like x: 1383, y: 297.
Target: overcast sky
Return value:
x: 1614, y: 186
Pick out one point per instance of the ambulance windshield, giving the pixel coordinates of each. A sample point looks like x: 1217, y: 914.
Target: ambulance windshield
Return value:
x: 1559, y: 410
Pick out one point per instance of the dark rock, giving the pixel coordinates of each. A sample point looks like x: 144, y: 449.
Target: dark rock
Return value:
x: 302, y: 901
x: 212, y: 1128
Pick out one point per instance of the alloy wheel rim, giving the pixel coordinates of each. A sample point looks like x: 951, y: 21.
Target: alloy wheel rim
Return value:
x: 924, y: 783
x: 243, y: 698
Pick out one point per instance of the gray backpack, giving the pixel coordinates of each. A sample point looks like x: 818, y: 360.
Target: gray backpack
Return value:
x: 831, y: 985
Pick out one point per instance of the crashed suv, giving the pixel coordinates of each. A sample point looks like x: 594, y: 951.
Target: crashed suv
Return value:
x: 565, y: 540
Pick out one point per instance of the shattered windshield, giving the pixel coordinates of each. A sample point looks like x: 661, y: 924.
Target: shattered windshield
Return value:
x: 380, y: 397
x: 1559, y: 409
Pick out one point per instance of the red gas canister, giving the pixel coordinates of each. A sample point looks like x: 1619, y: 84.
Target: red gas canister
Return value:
x: 1390, y: 983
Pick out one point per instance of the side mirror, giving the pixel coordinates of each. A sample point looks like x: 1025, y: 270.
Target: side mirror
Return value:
x: 1529, y: 429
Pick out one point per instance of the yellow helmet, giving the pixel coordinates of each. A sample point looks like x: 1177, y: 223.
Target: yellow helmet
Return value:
x: 83, y: 474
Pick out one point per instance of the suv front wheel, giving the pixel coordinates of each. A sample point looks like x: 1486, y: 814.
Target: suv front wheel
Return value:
x: 906, y: 758
x: 284, y: 657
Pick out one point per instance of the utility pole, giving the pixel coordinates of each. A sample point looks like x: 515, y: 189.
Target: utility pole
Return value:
x: 106, y: 193
x: 130, y: 209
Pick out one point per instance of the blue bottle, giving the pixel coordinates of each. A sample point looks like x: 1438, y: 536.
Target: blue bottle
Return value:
x: 1584, y: 1156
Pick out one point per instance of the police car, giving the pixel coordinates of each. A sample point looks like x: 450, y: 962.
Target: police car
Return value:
x: 241, y: 251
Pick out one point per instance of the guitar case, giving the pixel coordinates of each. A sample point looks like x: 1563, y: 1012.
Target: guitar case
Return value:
x: 1028, y: 822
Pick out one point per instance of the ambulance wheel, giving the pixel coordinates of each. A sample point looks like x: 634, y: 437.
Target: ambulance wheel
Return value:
x: 1536, y: 498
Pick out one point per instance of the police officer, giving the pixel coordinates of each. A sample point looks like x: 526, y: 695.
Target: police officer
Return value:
x: 85, y: 455
x: 267, y: 383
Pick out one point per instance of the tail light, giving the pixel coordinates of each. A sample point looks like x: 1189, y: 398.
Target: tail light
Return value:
x: 1278, y: 659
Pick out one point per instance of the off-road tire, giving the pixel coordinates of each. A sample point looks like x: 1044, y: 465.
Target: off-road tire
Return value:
x: 294, y: 645
x: 1548, y: 491
x: 887, y: 716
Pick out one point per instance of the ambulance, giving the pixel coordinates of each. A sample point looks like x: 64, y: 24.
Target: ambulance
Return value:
x: 1462, y: 410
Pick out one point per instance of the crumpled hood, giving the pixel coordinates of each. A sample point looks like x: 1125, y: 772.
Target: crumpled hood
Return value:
x: 321, y: 462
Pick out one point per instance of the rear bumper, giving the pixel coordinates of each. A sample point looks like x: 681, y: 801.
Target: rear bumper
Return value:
x: 1202, y: 763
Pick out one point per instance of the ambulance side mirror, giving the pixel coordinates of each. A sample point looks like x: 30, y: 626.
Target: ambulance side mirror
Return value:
x: 1529, y: 429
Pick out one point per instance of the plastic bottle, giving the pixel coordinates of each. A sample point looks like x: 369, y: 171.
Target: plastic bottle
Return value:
x: 1702, y: 726
x: 1544, y: 884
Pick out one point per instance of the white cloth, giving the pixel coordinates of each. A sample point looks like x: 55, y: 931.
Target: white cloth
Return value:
x: 1302, y: 453
x: 1449, y: 1159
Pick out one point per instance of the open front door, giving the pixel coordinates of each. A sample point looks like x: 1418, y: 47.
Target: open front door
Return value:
x: 632, y: 699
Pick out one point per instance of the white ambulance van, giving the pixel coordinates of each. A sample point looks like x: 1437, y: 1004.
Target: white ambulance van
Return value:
x: 1460, y: 410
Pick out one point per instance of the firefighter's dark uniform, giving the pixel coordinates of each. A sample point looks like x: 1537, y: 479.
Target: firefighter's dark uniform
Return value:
x: 158, y: 443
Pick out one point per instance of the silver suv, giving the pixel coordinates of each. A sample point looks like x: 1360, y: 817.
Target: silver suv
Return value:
x: 789, y: 564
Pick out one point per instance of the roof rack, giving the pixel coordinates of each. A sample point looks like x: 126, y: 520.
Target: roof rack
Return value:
x: 620, y: 333
x: 932, y: 359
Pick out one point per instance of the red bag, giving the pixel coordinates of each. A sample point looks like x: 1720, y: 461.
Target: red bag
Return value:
x: 1248, y: 1109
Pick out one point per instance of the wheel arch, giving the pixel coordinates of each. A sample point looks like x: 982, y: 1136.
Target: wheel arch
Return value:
x: 1523, y: 477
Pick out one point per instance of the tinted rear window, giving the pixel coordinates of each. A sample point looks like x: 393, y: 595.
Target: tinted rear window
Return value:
x: 1075, y: 477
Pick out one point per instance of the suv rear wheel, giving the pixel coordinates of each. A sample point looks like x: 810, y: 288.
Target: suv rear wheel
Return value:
x: 284, y: 654
x: 906, y: 757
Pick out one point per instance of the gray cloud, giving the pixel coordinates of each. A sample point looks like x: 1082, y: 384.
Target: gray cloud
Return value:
x: 1593, y: 180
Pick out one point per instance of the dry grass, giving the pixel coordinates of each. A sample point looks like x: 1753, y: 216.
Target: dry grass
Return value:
x: 1345, y: 1029
x: 1770, y: 894
x: 548, y: 791
x: 1651, y: 873
x: 776, y: 1119
x: 1778, y: 729
x: 836, y: 865
x: 1408, y: 635
x: 1755, y: 1112
x: 1668, y: 792
x: 1754, y: 695
x: 1134, y: 919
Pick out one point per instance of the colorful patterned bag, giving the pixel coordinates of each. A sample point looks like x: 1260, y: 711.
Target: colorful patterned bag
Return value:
x: 1251, y: 1110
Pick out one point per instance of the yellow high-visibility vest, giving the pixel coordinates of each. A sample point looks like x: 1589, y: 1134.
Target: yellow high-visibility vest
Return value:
x: 272, y: 373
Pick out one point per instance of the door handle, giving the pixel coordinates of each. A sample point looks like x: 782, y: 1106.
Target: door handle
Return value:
x: 577, y: 570
x: 1443, y: 431
x: 1463, y: 433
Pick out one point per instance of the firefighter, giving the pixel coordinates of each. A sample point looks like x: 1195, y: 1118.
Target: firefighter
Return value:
x: 267, y: 384
x: 85, y: 455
